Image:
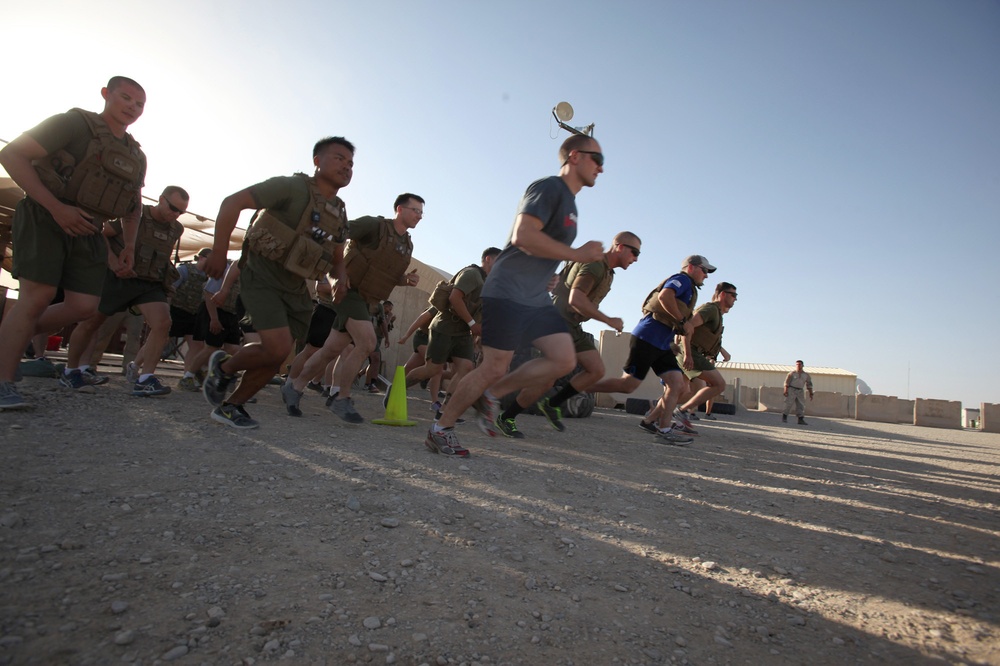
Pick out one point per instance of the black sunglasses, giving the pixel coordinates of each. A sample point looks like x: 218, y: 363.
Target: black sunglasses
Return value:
x: 174, y: 208
x: 594, y: 155
x: 632, y: 248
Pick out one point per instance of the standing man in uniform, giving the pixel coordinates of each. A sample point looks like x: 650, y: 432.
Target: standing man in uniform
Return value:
x: 297, y: 235
x: 517, y: 307
x: 797, y: 380
x: 668, y: 310
x: 144, y: 287
x: 577, y: 296
x: 78, y: 170
x: 376, y: 261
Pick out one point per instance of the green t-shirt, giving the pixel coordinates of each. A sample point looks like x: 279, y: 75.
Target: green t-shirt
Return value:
x: 598, y: 270
x: 285, y: 197
x: 470, y: 282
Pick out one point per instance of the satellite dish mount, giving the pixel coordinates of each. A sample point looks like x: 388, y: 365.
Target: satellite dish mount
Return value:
x: 563, y: 113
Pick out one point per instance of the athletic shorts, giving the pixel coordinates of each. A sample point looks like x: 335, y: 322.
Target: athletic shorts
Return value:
x: 270, y: 308
x: 119, y: 294
x: 443, y: 347
x: 508, y: 325
x: 643, y: 357
x: 231, y: 333
x: 582, y: 341
x: 323, y: 317
x: 420, y: 339
x: 701, y: 363
x: 182, y: 322
x: 241, y: 312
x: 352, y: 307
x: 43, y: 252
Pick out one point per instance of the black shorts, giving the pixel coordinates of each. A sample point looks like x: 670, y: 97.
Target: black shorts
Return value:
x: 231, y: 333
x: 182, y: 322
x: 508, y: 325
x: 320, y: 325
x: 643, y: 357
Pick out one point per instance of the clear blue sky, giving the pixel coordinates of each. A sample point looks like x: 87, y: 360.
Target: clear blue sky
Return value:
x: 839, y: 161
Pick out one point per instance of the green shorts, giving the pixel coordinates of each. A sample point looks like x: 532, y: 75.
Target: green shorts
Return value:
x: 119, y: 294
x: 269, y: 307
x: 352, y: 307
x: 582, y: 341
x: 443, y: 347
x: 701, y: 363
x: 420, y: 339
x: 43, y: 252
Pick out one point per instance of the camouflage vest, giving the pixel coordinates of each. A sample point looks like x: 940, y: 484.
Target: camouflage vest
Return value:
x: 652, y: 306
x: 190, y: 293
x: 308, y: 249
x: 705, y: 340
x: 106, y: 182
x: 567, y: 276
x: 376, y: 271
x: 153, y: 246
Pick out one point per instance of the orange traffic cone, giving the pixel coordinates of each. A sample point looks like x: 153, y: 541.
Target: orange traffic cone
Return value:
x: 395, y: 409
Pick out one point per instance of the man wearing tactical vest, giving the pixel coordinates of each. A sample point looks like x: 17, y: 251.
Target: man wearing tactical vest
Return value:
x: 700, y: 349
x: 375, y: 262
x: 453, y: 329
x: 517, y: 307
x: 577, y: 296
x: 144, y: 287
x: 185, y: 304
x: 298, y: 234
x: 218, y: 323
x: 667, y: 311
x: 78, y: 170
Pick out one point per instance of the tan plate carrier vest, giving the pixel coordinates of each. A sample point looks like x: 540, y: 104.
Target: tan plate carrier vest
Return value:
x: 190, y: 293
x: 376, y: 271
x: 706, y: 341
x: 652, y: 306
x: 567, y: 276
x: 108, y: 179
x: 440, y: 298
x: 153, y: 245
x: 308, y: 249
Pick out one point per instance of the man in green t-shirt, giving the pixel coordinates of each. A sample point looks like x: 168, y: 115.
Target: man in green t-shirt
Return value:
x: 272, y: 286
x: 57, y: 240
x: 704, y: 345
x: 578, y: 294
x: 453, y: 330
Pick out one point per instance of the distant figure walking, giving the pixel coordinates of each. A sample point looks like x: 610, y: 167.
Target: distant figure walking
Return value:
x: 795, y: 382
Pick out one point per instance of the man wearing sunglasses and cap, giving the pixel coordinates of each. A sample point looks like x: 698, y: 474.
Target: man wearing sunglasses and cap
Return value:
x: 667, y: 313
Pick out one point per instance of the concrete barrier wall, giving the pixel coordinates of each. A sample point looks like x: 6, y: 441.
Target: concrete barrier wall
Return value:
x: 769, y: 399
x: 905, y: 411
x: 828, y: 403
x: 989, y: 417
x: 748, y: 397
x: 937, y: 413
x: 878, y: 408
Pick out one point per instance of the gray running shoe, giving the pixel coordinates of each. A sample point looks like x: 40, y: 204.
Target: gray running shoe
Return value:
x: 234, y: 416
x: 10, y: 398
x: 344, y: 408
x: 508, y: 428
x: 674, y: 439
x: 682, y: 418
x: 216, y: 381
x: 189, y: 384
x: 91, y: 377
x: 680, y: 427
x: 291, y: 398
x: 709, y: 417
x: 131, y: 373
x: 150, y: 387
x: 553, y: 414
x: 73, y: 380
x: 445, y: 442
x: 489, y: 410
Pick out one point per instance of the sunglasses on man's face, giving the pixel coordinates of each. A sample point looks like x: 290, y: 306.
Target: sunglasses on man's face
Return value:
x: 594, y: 155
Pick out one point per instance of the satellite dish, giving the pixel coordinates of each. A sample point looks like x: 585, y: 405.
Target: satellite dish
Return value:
x: 564, y: 111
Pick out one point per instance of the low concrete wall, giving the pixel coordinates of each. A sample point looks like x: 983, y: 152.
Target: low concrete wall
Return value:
x: 937, y: 413
x: 905, y: 411
x: 989, y: 417
x: 748, y: 397
x: 770, y: 399
x: 878, y: 408
x: 828, y: 403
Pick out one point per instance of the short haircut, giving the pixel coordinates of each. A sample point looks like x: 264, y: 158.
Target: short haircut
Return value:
x: 623, y: 236
x: 724, y: 286
x: 339, y: 140
x: 490, y: 252
x: 385, y: 303
x: 116, y: 81
x: 174, y: 189
x: 797, y: 362
x: 575, y: 142
x: 404, y: 197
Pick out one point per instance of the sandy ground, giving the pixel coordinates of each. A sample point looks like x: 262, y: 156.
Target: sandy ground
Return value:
x: 137, y: 531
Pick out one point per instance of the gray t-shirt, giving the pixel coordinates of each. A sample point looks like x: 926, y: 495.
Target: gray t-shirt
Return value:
x: 520, y: 277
